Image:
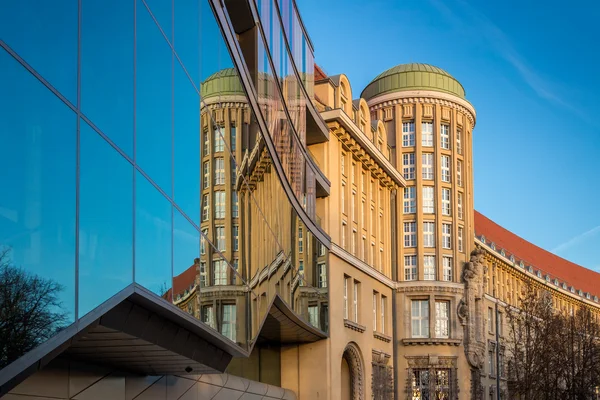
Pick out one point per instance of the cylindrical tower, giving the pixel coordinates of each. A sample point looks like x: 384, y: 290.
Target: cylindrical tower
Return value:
x: 429, y: 124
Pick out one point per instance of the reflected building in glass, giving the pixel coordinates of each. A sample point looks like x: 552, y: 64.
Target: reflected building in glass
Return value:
x: 159, y: 220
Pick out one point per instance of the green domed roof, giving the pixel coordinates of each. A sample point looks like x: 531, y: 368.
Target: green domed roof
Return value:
x: 223, y: 82
x: 413, y: 76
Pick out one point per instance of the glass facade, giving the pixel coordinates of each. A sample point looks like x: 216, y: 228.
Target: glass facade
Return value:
x: 132, y: 154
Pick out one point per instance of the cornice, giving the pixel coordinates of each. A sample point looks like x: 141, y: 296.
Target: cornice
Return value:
x: 430, y: 287
x: 424, y: 97
x: 360, y: 265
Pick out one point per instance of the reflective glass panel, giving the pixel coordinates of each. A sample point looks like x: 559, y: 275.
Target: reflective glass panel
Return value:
x: 107, y: 68
x: 153, y: 100
x: 37, y: 208
x: 187, y: 36
x: 187, y: 145
x: 186, y: 245
x: 152, y: 238
x: 44, y: 34
x: 105, y: 221
x: 162, y: 10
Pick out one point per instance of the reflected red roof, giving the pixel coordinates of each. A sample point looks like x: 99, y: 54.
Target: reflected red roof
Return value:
x: 319, y: 73
x: 540, y: 259
x: 183, y: 281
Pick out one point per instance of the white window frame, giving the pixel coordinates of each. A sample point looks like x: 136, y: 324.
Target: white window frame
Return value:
x: 408, y: 134
x: 428, y: 234
x: 206, y: 175
x: 355, y: 292
x: 354, y: 234
x: 459, y: 179
x: 235, y: 207
x: 205, y: 207
x: 445, y: 136
x: 427, y: 166
x: 446, y: 203
x: 410, y: 234
x: 235, y: 233
x: 442, y: 319
x: 459, y: 204
x: 429, y: 267
x: 228, y: 325
x: 344, y: 227
x: 300, y: 240
x: 428, y: 200
x: 447, y: 268
x: 203, y: 241
x: 203, y: 275
x: 375, y: 315
x: 408, y: 165
x: 219, y: 171
x: 343, y: 197
x: 219, y: 141
x: 419, y: 315
x: 447, y: 236
x: 343, y: 163
x: 346, y: 279
x: 410, y: 268
x: 322, y: 271
x: 445, y: 161
x: 220, y: 202
x: 460, y: 238
x: 459, y: 141
x: 410, y: 203
x: 219, y: 272
x: 382, y: 310
x: 427, y: 134
x: 220, y: 234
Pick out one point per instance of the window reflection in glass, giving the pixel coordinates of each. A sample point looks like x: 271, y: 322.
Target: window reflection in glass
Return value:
x: 105, y: 221
x: 37, y: 205
x: 186, y: 264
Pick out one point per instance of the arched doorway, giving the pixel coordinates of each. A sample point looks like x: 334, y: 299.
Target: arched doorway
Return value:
x: 352, y: 373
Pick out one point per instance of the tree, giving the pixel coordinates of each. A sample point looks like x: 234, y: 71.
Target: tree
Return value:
x: 30, y: 310
x: 552, y: 354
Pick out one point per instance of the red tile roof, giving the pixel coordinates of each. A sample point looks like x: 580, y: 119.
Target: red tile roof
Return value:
x: 319, y: 73
x: 183, y: 281
x: 540, y: 259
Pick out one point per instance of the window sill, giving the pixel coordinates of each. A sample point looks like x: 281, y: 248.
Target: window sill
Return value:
x: 431, y: 341
x: 354, y: 326
x: 382, y: 337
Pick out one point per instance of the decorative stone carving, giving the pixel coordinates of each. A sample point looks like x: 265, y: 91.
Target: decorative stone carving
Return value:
x: 357, y: 374
x: 470, y: 313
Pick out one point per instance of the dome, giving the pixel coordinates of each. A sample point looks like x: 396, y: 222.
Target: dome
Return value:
x: 413, y: 76
x: 223, y: 82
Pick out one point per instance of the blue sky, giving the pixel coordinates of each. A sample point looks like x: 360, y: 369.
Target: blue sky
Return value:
x: 532, y: 74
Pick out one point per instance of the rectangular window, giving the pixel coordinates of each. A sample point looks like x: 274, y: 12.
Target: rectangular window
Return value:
x: 490, y: 320
x: 235, y: 232
x: 208, y: 316
x: 420, y: 318
x: 375, y: 315
x: 445, y: 136
x: 343, y: 164
x: 459, y: 141
x: 460, y: 239
x: 382, y: 311
x: 228, y: 327
x: 322, y: 270
x: 363, y: 214
x: 219, y: 171
x: 459, y: 173
x: 459, y: 203
x: 410, y: 205
x: 355, y: 294
x: 427, y: 166
x: 428, y: 200
x: 447, y: 267
x: 442, y: 325
x: 219, y: 142
x: 219, y: 272
x: 233, y: 172
x: 408, y: 165
x: 206, y: 147
x: 445, y: 168
x: 343, y: 195
x: 410, y: 234
x: 365, y: 249
x: 206, y: 175
x: 446, y: 201
x: 205, y: 207
x: 447, y: 236
x: 301, y: 272
x: 233, y: 139
x: 321, y: 252
x: 346, y: 279
x: 203, y: 274
x: 491, y: 357
x: 344, y: 234
x: 353, y: 206
x: 300, y: 240
x: 372, y: 221
x: 372, y: 255
x: 429, y: 234
x: 500, y: 324
x: 427, y: 134
x: 313, y: 315
x: 429, y: 268
x: 364, y: 182
x: 408, y: 134
x: 410, y: 268
x: 220, y: 237
x: 234, y: 204
x: 353, y: 173
x: 203, y: 241
x: 220, y: 204
x: 354, y: 241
